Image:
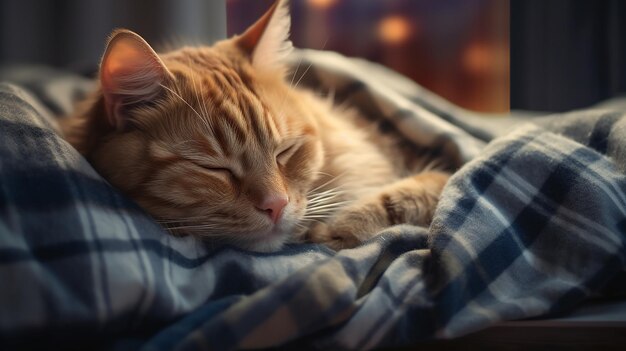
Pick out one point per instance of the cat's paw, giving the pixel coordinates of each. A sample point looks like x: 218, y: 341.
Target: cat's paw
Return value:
x: 337, y: 240
x: 409, y: 201
x: 349, y: 227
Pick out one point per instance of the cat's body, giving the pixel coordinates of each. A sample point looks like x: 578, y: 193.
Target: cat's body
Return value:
x: 216, y: 142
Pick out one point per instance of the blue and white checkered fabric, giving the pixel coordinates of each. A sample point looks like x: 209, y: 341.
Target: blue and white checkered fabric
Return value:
x: 532, y: 224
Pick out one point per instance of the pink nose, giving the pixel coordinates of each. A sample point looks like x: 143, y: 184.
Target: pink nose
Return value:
x: 273, y: 205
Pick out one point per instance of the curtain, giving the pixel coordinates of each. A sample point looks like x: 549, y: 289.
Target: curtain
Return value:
x: 566, y: 54
x: 71, y: 33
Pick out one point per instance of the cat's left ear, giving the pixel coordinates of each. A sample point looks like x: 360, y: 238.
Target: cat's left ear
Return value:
x: 130, y: 73
x: 267, y: 42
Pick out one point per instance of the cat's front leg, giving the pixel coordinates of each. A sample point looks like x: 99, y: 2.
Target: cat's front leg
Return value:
x: 411, y: 200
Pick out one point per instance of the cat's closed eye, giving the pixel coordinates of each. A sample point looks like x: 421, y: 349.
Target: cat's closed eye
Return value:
x: 285, y: 153
x: 219, y: 170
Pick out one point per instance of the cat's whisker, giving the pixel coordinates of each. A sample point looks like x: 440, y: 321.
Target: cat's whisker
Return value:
x: 320, y: 186
x: 302, y: 76
x: 311, y: 64
x: 327, y: 182
x: 324, y: 173
x: 316, y: 196
x: 186, y: 103
x: 317, y: 193
x: 325, y: 198
x: 325, y: 208
x: 300, y: 225
x: 313, y: 220
x: 310, y: 215
x: 327, y: 191
x: 329, y: 206
x: 193, y: 84
x: 293, y: 76
x: 319, y: 213
x: 323, y: 202
x: 199, y: 99
x: 326, y: 212
x: 206, y: 111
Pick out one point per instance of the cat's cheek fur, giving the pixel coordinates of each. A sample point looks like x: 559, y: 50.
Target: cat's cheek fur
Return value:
x: 119, y: 161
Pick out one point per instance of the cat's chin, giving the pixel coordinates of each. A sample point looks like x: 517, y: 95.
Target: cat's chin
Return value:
x: 268, y: 242
x: 269, y: 245
x: 272, y: 239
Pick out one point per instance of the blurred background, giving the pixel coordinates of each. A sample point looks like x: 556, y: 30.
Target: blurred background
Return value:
x: 567, y: 54
x: 484, y: 55
x: 71, y: 34
x: 456, y: 48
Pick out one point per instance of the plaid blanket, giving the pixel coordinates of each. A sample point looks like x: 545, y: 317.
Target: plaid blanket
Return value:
x: 532, y: 224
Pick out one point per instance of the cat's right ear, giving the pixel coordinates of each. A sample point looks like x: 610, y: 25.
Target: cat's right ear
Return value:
x: 267, y: 42
x: 130, y: 73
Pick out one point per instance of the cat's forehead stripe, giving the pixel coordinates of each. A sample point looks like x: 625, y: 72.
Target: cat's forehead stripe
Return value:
x: 229, y: 101
x: 221, y: 137
x: 234, y: 116
x: 225, y: 92
x: 248, y: 112
x: 207, y: 146
x: 273, y: 127
x: 238, y: 84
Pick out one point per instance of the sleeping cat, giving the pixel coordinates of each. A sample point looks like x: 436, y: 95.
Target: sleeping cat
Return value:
x: 216, y: 142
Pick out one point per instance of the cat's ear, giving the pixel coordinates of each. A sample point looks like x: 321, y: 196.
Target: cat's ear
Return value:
x: 130, y: 73
x: 267, y: 42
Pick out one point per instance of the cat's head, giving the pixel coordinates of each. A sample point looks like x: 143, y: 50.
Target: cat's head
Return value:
x: 211, y: 141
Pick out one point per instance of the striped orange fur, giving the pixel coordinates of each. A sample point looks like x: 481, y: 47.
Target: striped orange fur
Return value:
x: 216, y: 142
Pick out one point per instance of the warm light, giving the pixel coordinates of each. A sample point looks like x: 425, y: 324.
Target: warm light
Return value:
x: 478, y: 58
x: 394, y: 30
x: 322, y: 4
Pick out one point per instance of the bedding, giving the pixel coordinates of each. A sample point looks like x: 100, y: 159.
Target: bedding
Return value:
x: 532, y: 224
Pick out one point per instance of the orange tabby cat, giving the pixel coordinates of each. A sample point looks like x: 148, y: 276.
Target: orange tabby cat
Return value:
x: 214, y: 142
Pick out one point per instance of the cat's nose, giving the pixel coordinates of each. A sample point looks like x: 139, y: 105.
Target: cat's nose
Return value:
x: 273, y: 205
